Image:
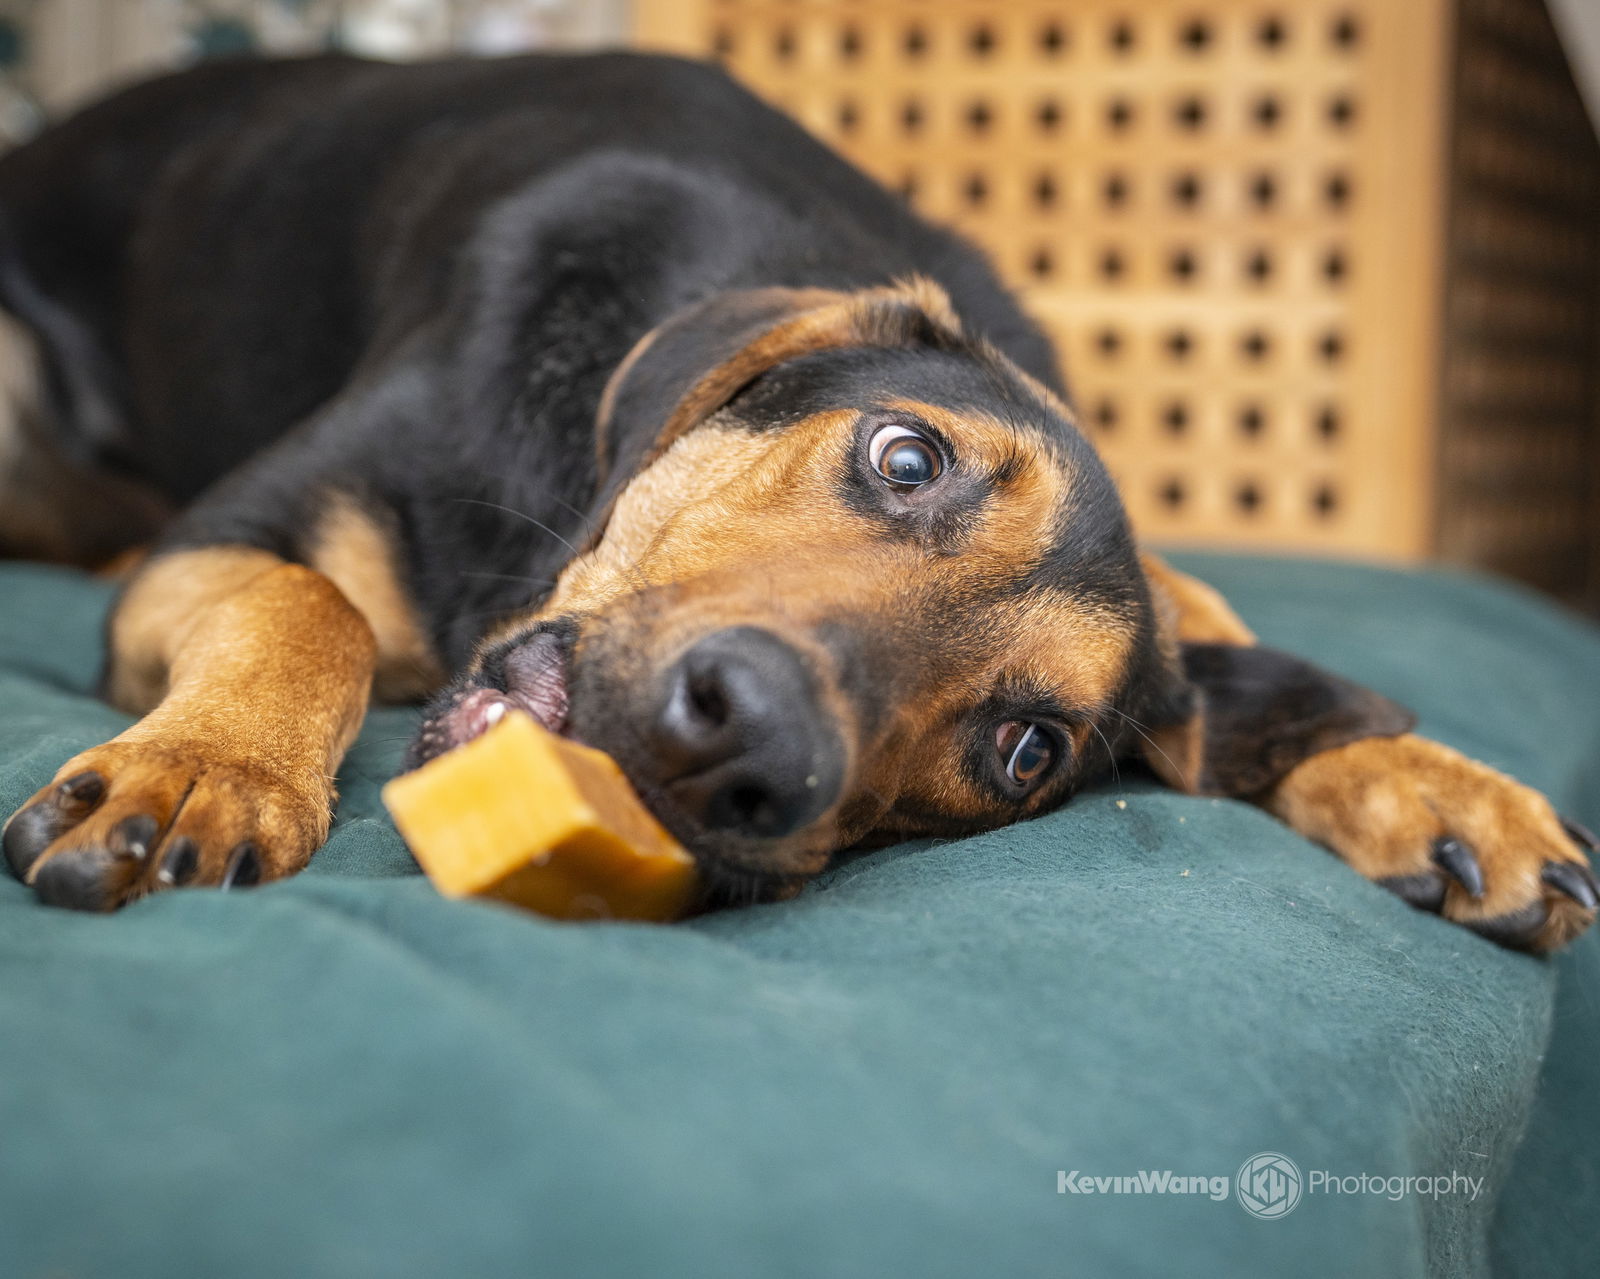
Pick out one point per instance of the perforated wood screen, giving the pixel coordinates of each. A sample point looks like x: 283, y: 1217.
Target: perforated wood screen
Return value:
x: 1231, y: 215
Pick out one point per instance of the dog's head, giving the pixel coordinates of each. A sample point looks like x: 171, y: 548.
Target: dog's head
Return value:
x: 858, y: 578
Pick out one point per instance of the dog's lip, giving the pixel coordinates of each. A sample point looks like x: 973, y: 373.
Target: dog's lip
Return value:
x: 728, y: 882
x: 535, y: 676
x: 536, y: 682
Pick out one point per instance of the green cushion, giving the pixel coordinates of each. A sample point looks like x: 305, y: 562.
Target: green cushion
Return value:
x: 346, y: 1075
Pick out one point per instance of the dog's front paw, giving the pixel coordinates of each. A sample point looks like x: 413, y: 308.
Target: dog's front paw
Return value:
x: 1449, y: 835
x: 136, y: 816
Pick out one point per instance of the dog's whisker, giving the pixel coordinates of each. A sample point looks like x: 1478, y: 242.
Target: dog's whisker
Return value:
x: 505, y: 577
x: 1149, y: 740
x: 521, y: 515
x: 1116, y: 773
x: 586, y: 519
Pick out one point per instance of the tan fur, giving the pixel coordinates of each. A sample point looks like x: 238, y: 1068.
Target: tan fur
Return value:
x: 916, y: 768
x: 692, y: 473
x: 1064, y: 644
x: 358, y: 556
x: 1380, y: 803
x: 163, y: 604
x: 1194, y: 612
x: 271, y: 668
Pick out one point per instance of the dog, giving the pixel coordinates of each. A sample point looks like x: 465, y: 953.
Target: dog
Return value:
x: 592, y: 387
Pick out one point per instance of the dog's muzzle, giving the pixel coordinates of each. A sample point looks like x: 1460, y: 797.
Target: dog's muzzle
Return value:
x: 731, y: 742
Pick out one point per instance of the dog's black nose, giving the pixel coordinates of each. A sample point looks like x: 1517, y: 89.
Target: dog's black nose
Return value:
x: 742, y: 741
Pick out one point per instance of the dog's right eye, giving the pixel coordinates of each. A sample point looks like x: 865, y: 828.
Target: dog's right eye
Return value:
x: 1026, y: 749
x: 903, y: 457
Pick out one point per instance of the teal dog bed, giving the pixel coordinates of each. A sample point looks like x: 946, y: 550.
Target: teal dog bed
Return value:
x: 897, y: 1074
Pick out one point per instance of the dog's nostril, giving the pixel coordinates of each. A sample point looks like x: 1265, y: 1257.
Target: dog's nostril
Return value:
x: 745, y: 808
x: 709, y: 700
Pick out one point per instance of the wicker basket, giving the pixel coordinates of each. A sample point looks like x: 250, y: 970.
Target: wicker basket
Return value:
x: 1325, y: 275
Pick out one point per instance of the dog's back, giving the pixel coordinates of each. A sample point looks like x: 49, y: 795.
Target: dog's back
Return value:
x: 206, y: 258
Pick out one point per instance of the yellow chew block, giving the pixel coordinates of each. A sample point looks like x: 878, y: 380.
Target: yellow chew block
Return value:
x: 530, y: 818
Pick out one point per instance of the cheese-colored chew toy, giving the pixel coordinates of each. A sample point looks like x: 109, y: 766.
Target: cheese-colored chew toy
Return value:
x: 530, y: 818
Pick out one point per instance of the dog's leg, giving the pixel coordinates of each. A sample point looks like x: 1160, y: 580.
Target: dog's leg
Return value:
x: 255, y: 674
x: 1446, y: 833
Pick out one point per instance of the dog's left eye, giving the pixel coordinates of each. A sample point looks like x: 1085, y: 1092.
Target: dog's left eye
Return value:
x: 1026, y: 749
x: 903, y: 457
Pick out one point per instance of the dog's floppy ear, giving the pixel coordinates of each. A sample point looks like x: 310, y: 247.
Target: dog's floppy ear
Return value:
x: 684, y: 370
x: 1236, y: 717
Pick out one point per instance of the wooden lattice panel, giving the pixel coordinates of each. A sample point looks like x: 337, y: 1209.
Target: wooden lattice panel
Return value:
x: 1227, y: 212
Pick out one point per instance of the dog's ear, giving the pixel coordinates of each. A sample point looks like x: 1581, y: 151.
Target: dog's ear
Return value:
x: 1234, y: 718
x: 684, y: 370
x: 1251, y: 714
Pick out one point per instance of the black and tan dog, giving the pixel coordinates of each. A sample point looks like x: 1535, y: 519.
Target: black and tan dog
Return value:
x: 600, y: 383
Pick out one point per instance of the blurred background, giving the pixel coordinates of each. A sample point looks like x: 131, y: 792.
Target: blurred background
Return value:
x: 1325, y: 273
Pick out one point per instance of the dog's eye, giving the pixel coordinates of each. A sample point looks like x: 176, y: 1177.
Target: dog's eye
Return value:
x: 903, y: 457
x: 1026, y: 749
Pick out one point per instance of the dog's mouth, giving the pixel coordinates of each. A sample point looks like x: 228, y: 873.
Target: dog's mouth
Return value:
x: 535, y: 672
x: 526, y: 674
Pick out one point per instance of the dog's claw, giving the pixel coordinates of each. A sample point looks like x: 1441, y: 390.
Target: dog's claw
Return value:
x: 1577, y: 882
x: 134, y: 836
x: 244, y: 867
x: 1581, y: 835
x: 1459, y: 862
x: 1426, y: 890
x: 180, y: 863
x: 1522, y: 929
x: 81, y: 793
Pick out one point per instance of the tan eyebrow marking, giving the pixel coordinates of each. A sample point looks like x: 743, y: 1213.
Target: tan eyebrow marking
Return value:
x: 1034, y: 484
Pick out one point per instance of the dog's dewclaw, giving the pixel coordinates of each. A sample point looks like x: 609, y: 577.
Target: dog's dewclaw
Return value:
x: 530, y: 818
